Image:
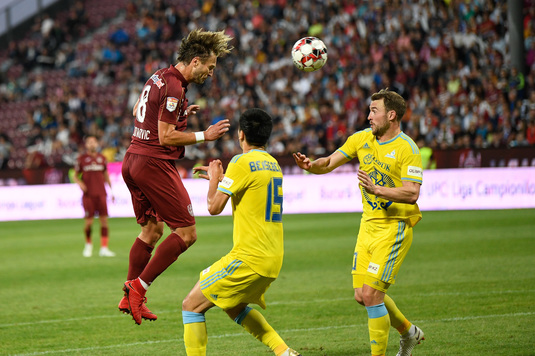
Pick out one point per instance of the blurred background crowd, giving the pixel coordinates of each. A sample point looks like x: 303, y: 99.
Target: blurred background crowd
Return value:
x: 79, y: 72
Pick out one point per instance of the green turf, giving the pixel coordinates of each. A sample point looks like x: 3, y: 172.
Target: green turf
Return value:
x: 468, y: 282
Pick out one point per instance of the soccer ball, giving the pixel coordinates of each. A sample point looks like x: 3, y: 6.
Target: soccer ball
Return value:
x: 309, y: 54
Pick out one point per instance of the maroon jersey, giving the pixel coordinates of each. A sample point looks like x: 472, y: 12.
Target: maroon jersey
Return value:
x: 163, y: 98
x: 92, y: 169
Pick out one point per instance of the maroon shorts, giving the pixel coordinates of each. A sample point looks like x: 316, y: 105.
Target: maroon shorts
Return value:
x: 95, y: 204
x: 157, y: 191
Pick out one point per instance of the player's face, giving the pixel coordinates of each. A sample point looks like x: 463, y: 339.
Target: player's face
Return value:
x: 378, y: 118
x: 91, y: 144
x: 201, y: 71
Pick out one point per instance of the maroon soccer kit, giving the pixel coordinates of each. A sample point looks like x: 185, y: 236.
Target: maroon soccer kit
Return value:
x: 149, y: 168
x: 92, y: 168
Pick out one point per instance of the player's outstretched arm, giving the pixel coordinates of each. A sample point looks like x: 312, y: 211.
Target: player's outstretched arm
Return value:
x: 321, y: 165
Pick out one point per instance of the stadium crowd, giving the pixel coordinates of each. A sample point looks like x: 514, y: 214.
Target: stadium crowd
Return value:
x: 449, y: 59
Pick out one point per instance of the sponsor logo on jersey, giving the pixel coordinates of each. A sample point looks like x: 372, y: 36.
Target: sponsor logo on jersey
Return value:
x: 373, y: 268
x: 172, y: 104
x: 157, y: 81
x: 226, y: 182
x: 391, y: 154
x: 414, y: 171
x: 369, y: 159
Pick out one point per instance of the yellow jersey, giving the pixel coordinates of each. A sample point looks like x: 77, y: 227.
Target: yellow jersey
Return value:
x: 254, y: 182
x: 388, y: 164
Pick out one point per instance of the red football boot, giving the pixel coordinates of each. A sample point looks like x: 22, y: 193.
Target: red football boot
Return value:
x: 135, y: 295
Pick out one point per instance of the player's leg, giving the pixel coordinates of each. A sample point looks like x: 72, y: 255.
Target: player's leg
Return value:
x: 410, y: 335
x: 366, y: 294
x: 140, y: 255
x: 89, y: 212
x: 104, y: 233
x: 167, y: 253
x: 193, y: 308
x: 255, y: 324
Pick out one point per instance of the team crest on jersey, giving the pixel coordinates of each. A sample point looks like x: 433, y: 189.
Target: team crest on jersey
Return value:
x: 190, y: 210
x: 172, y: 104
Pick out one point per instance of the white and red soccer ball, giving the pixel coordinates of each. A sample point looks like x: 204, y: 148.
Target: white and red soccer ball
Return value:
x: 309, y: 54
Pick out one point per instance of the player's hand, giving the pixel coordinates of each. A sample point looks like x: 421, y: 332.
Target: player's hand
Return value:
x: 302, y: 161
x: 192, y: 110
x: 202, y: 171
x: 215, y: 131
x: 366, y: 182
x: 215, y: 170
x: 83, y: 187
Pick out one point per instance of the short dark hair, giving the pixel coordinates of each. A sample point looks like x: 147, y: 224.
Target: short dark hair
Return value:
x: 256, y: 124
x: 203, y: 44
x: 393, y: 101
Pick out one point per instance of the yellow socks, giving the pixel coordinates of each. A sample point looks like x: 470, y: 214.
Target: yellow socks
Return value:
x: 195, y: 336
x: 255, y: 324
x: 397, y: 319
x: 378, y: 326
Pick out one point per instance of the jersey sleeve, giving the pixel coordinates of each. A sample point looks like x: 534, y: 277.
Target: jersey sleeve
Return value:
x: 171, y: 104
x: 234, y: 181
x: 350, y: 147
x: 411, y: 167
x: 78, y: 165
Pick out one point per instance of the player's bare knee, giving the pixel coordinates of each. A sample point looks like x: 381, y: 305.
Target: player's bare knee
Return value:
x: 187, y: 234
x: 358, y: 297
x: 185, y: 304
x: 189, y: 238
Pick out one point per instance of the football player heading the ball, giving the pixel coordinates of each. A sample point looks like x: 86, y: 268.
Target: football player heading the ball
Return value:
x: 149, y: 171
x: 254, y: 183
x: 390, y: 175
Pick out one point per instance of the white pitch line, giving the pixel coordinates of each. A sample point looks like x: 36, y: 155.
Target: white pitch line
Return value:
x: 180, y: 340
x: 282, y: 302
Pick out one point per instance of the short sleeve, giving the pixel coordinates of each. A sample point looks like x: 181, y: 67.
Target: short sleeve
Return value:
x: 411, y: 167
x: 234, y: 181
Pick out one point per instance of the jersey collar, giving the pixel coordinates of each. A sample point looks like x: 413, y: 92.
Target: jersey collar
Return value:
x: 179, y: 75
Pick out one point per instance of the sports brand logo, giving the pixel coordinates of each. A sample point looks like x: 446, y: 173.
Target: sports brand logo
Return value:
x: 172, y: 104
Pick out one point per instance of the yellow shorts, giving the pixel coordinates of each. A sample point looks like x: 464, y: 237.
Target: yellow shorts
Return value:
x: 380, y: 251
x: 229, y: 282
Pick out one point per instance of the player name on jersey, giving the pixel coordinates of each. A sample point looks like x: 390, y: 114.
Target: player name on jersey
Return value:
x: 264, y: 166
x: 141, y: 133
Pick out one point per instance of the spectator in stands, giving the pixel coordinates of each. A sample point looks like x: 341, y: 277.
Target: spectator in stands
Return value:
x: 445, y: 49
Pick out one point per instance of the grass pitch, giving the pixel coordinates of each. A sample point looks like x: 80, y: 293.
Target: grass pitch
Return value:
x: 468, y: 282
